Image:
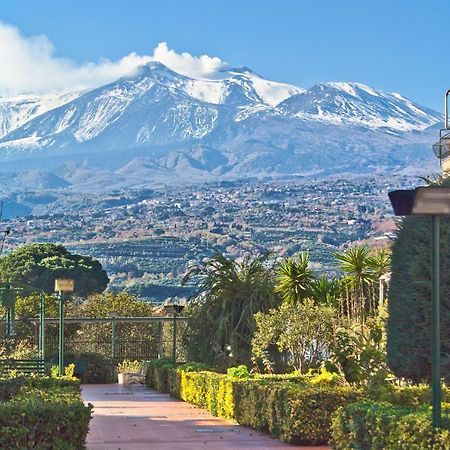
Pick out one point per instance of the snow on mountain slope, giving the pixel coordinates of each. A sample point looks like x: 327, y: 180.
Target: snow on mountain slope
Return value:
x: 357, y: 104
x: 216, y: 90
x: 149, y: 106
x: 232, y: 124
x: 16, y: 111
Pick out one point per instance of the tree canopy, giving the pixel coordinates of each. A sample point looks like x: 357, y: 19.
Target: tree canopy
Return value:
x: 39, y: 265
x: 409, y: 322
x: 222, y: 319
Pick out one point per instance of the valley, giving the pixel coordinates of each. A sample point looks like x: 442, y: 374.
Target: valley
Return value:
x: 147, y: 238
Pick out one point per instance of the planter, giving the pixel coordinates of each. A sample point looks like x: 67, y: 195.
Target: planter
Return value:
x: 130, y: 378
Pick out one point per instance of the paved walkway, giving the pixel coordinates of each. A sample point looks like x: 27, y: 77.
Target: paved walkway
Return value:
x: 138, y: 418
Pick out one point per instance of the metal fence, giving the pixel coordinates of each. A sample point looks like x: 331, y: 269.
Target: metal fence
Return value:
x: 140, y: 349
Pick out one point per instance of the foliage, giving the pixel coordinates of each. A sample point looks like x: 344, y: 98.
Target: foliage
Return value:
x: 303, y: 331
x: 42, y: 413
x: 294, y: 278
x: 39, y: 264
x: 359, y: 352
x: 193, y: 367
x: 240, y: 372
x: 361, y: 269
x: 409, y: 324
x: 158, y: 374
x: 296, y: 413
x: 91, y: 367
x: 222, y: 318
x: 17, y: 349
x: 326, y: 291
x: 378, y: 426
x: 127, y: 366
x: 125, y: 304
x: 324, y: 377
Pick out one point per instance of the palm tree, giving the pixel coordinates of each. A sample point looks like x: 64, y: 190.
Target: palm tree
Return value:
x: 294, y: 278
x: 326, y: 291
x: 222, y: 317
x: 356, y: 264
x: 380, y: 262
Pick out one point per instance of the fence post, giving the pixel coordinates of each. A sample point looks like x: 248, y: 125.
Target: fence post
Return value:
x: 113, y: 347
x: 160, y: 340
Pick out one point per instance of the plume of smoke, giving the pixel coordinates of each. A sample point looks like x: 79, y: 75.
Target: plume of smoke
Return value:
x: 29, y: 64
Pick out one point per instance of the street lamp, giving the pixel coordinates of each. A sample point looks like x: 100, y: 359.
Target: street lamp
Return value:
x: 174, y: 308
x: 434, y: 202
x: 62, y: 286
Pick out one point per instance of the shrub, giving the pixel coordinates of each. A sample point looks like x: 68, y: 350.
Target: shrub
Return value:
x: 157, y: 374
x: 90, y: 367
x: 295, y: 412
x: 241, y: 372
x: 127, y: 366
x: 193, y: 367
x: 379, y: 426
x: 301, y: 330
x: 42, y: 413
x: 294, y: 377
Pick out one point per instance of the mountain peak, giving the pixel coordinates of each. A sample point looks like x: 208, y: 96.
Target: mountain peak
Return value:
x: 358, y: 104
x: 154, y: 69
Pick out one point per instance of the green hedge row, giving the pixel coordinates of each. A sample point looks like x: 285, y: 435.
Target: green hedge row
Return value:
x: 379, y: 426
x: 43, y: 413
x: 290, y: 411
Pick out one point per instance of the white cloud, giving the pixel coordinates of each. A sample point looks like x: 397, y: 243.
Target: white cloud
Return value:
x: 29, y: 64
x: 185, y: 63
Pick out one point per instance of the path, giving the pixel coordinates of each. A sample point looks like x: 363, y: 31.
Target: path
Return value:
x: 139, y: 418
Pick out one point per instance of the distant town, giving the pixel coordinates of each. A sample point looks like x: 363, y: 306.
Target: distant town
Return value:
x: 147, y: 238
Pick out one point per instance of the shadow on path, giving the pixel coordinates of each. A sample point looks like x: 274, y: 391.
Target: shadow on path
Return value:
x: 138, y: 418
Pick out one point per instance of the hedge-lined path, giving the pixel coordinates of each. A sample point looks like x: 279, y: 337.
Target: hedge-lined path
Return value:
x: 139, y: 418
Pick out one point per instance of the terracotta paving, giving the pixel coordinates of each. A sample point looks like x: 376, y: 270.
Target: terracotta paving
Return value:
x: 138, y: 418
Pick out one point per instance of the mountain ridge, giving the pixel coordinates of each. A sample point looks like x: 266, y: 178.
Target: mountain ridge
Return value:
x: 229, y: 125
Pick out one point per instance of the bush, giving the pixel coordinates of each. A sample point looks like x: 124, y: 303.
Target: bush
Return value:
x: 294, y: 412
x: 42, y: 413
x: 158, y: 374
x: 379, y: 426
x: 241, y: 372
x: 91, y: 368
x: 128, y: 366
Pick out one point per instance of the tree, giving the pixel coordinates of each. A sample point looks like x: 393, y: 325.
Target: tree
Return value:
x: 356, y: 263
x: 222, y: 316
x: 409, y: 321
x: 326, y: 291
x: 304, y: 331
x: 39, y: 264
x: 125, y: 305
x: 294, y: 278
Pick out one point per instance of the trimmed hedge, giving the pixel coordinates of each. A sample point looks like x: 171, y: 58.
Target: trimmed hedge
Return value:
x: 42, y: 413
x: 379, y: 426
x: 292, y: 412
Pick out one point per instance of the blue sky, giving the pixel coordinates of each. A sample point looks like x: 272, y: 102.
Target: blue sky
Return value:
x: 396, y: 46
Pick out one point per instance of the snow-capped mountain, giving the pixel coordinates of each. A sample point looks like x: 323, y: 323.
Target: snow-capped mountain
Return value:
x: 18, y: 110
x: 357, y: 104
x: 157, y: 124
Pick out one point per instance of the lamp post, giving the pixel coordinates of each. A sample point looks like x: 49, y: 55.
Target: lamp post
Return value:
x: 434, y: 202
x: 114, y: 315
x: 175, y: 309
x: 62, y: 286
